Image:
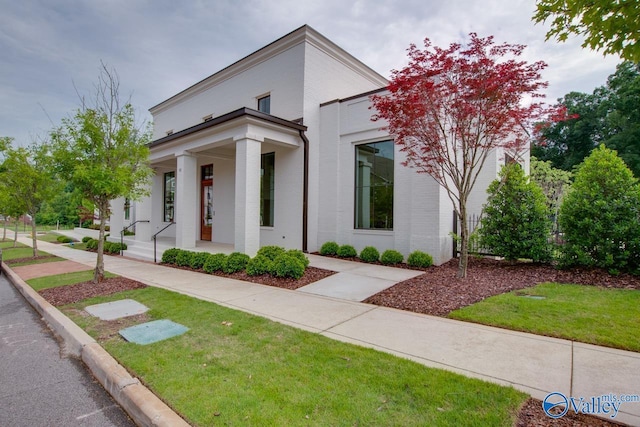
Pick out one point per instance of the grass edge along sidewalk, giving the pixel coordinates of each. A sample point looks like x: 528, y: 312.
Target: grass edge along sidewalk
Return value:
x: 253, y: 370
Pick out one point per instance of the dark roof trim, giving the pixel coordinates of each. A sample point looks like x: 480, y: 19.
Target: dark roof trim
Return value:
x: 241, y: 112
x: 360, y: 95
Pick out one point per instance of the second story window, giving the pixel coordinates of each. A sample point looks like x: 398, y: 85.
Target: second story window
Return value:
x: 264, y: 104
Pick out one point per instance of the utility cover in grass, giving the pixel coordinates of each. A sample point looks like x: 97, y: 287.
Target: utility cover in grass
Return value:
x: 117, y: 309
x: 150, y: 332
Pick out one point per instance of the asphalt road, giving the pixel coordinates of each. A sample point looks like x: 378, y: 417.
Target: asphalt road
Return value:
x: 39, y: 386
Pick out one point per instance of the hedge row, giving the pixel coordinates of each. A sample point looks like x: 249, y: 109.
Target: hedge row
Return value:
x: 273, y: 260
x: 112, y: 248
x: 370, y: 254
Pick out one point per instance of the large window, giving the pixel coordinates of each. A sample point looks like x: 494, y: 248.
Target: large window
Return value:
x: 169, y: 195
x: 374, y: 186
x: 267, y: 181
x: 264, y: 104
x: 127, y: 209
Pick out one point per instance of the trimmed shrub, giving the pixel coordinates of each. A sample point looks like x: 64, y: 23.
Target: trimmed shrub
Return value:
x: 215, y: 262
x: 237, y: 261
x: 183, y: 259
x: 347, y: 251
x: 288, y: 266
x: 271, y: 252
x: 369, y: 254
x: 516, y: 220
x: 169, y: 256
x: 198, y: 259
x: 85, y: 239
x: 92, y: 244
x: 329, y: 248
x: 64, y: 239
x: 297, y: 253
x: 391, y: 256
x: 420, y: 259
x: 259, y: 265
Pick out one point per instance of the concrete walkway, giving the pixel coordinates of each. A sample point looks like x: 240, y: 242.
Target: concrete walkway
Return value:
x: 534, y: 364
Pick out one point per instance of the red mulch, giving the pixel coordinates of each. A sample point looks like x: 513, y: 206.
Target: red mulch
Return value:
x: 438, y: 291
x: 62, y: 295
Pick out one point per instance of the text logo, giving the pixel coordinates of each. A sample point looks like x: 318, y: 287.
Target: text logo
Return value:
x: 555, y: 405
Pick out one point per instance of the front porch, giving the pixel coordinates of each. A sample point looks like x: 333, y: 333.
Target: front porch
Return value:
x: 146, y: 251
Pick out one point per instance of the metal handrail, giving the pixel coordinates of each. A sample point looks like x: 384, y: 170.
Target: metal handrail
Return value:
x: 125, y: 229
x: 154, y: 240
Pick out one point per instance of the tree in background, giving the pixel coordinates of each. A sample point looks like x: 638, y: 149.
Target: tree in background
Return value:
x: 600, y: 217
x: 449, y: 109
x: 610, y: 115
x: 608, y: 25
x: 515, y: 222
x: 102, y: 152
x: 29, y: 181
x: 555, y: 184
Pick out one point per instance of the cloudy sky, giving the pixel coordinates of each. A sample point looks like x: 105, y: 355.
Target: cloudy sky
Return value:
x: 50, y: 49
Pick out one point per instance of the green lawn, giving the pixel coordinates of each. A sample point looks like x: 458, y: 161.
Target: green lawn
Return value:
x: 50, y: 237
x: 589, y: 314
x: 63, y: 279
x: 252, y: 371
x: 7, y: 244
x: 23, y: 251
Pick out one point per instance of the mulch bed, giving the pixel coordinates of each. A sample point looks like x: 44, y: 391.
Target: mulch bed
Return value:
x: 62, y: 295
x: 438, y: 291
x: 532, y: 415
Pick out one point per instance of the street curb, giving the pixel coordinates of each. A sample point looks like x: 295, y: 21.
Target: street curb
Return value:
x: 144, y: 407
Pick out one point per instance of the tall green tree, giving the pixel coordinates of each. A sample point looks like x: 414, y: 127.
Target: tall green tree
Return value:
x: 29, y: 180
x: 610, y: 115
x: 103, y: 152
x: 515, y: 222
x: 608, y: 25
x: 600, y: 217
x: 555, y: 184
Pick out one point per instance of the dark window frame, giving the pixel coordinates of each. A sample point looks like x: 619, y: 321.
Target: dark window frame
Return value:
x: 264, y: 104
x: 169, y: 195
x: 267, y: 193
x: 379, y: 193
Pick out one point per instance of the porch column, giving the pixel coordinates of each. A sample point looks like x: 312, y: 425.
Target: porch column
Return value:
x: 116, y: 220
x: 186, y: 197
x: 247, y: 203
x: 143, y: 212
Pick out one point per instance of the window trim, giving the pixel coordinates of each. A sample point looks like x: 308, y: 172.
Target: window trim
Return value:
x: 356, y: 188
x: 272, y: 190
x: 169, y: 205
x: 262, y: 97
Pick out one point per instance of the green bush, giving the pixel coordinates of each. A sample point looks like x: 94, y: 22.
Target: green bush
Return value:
x: 169, y: 256
x: 198, y: 259
x: 106, y: 247
x: 183, y: 259
x: 419, y: 259
x: 271, y: 252
x: 258, y: 265
x: 516, y: 220
x: 85, y: 239
x: 347, y: 251
x: 329, y: 248
x: 297, y: 253
x: 288, y: 266
x: 369, y: 254
x: 599, y: 217
x: 236, y: 261
x: 64, y: 239
x: 92, y: 244
x: 215, y: 262
x: 390, y: 257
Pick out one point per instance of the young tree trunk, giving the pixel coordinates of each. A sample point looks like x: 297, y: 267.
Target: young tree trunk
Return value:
x: 464, y: 243
x: 4, y: 233
x: 33, y: 236
x: 15, y: 234
x: 99, y: 271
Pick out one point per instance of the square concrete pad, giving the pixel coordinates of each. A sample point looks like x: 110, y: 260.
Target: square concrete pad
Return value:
x: 150, y: 332
x: 352, y: 287
x: 116, y: 309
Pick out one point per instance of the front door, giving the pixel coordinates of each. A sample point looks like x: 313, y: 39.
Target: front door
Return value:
x: 206, y: 211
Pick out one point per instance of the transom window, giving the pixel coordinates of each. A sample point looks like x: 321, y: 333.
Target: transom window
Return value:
x: 374, y: 186
x: 264, y: 104
x: 169, y: 195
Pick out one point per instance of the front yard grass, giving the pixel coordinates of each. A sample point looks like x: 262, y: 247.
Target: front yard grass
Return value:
x: 49, y: 237
x: 589, y: 314
x: 47, y: 282
x: 234, y: 368
x: 8, y: 244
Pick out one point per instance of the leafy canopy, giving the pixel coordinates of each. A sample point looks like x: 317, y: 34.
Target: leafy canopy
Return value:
x: 515, y: 222
x: 608, y: 25
x: 600, y: 217
x: 449, y: 109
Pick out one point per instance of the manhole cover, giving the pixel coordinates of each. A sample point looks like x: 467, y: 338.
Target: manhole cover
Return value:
x: 150, y: 332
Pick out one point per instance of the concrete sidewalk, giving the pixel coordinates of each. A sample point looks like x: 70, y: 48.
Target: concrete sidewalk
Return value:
x: 534, y: 364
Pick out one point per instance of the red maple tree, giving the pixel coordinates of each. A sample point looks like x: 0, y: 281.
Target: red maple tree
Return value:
x: 448, y: 109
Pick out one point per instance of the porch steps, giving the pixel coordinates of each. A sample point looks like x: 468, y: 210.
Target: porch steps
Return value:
x: 140, y: 250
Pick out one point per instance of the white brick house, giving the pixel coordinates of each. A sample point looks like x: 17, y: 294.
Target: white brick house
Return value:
x: 279, y: 149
